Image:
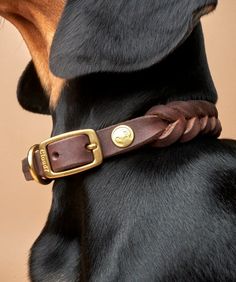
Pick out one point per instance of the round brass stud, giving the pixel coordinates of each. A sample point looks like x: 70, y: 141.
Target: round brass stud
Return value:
x: 122, y: 136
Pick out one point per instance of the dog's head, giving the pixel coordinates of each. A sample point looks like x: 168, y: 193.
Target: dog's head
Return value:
x: 112, y: 36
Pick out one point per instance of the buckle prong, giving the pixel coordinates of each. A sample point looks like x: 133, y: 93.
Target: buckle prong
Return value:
x: 92, y: 147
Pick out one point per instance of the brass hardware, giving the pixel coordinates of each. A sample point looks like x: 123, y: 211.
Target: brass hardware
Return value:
x: 122, y: 136
x: 97, y: 153
x: 92, y: 146
x: 33, y: 173
x: 49, y: 174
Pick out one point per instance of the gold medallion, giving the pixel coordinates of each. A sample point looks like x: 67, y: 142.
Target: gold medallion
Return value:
x: 122, y: 136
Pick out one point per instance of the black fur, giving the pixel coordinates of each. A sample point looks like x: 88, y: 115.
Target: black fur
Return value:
x: 150, y: 215
x: 30, y: 92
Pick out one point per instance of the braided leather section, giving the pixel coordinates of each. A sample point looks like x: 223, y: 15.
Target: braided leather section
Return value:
x: 185, y: 120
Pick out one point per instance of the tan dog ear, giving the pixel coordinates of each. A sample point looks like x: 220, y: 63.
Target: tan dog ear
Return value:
x: 30, y: 92
x: 121, y: 35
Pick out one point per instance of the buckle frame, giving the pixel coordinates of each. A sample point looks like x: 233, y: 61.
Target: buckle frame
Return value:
x: 49, y: 174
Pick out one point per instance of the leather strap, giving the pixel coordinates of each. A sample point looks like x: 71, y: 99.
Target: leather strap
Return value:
x: 162, y: 126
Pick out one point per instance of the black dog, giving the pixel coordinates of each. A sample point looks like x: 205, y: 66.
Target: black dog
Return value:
x: 153, y: 214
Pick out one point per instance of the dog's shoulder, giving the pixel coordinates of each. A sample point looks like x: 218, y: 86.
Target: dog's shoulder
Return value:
x: 196, y: 210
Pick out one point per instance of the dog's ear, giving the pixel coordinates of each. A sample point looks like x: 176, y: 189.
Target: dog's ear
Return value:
x: 30, y: 92
x: 121, y: 35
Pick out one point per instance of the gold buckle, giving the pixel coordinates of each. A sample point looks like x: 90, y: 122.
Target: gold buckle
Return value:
x: 94, y: 146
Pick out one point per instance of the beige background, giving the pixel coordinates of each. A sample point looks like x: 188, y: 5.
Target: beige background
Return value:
x: 24, y: 206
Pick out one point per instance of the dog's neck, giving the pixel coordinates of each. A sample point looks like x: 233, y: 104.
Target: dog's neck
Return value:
x: 91, y: 205
x: 99, y: 100
x: 96, y: 208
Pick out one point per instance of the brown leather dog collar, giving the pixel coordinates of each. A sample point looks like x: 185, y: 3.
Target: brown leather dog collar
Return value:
x: 81, y: 150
